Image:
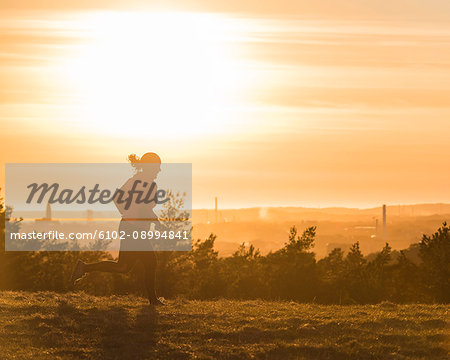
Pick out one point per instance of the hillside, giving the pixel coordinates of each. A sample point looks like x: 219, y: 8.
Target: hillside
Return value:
x: 74, y: 325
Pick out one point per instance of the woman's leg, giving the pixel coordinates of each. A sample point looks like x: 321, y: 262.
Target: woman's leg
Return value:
x: 148, y: 259
x: 124, y: 264
x: 126, y: 261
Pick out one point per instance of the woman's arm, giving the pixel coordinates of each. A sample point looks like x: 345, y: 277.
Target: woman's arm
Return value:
x: 124, y: 192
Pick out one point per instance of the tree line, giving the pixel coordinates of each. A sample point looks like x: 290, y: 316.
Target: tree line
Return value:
x: 420, y: 273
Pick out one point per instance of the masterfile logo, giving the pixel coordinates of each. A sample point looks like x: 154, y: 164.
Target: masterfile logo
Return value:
x: 88, y: 206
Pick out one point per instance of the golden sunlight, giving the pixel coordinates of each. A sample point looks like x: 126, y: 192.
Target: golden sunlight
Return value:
x: 151, y: 73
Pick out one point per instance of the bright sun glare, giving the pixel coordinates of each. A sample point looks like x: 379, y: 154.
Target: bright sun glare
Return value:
x: 155, y: 73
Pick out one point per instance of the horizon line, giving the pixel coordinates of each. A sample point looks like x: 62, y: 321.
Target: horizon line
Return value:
x: 322, y: 207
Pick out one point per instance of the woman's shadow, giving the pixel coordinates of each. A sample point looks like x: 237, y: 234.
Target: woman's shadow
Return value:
x: 115, y: 332
x: 128, y: 337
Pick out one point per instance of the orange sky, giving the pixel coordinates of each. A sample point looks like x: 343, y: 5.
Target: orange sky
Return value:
x: 285, y: 104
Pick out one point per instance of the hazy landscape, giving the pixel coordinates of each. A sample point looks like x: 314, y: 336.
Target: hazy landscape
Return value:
x: 267, y: 228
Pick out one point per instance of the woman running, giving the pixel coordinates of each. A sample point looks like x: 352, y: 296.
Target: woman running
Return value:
x: 138, y: 216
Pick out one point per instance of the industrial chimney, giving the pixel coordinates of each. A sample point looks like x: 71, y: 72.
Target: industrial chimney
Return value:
x: 48, y: 212
x: 384, y: 223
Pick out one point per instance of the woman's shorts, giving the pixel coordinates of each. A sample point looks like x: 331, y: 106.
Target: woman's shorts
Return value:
x: 130, y: 233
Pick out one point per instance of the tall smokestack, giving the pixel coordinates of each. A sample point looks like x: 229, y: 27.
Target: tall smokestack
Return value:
x: 216, y: 210
x: 48, y: 212
x: 384, y: 223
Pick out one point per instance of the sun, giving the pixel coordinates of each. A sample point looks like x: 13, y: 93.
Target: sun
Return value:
x: 155, y: 73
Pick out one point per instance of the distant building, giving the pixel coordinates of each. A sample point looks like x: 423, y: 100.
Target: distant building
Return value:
x: 344, y: 247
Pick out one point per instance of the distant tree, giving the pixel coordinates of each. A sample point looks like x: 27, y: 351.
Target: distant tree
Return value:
x: 7, y: 224
x: 378, y: 277
x: 173, y: 214
x: 243, y: 273
x: 406, y: 285
x: 355, y: 275
x: 332, y: 275
x: 249, y: 253
x: 435, y: 268
x: 291, y: 271
x: 2, y: 244
x: 171, y: 265
x: 206, y: 279
x: 301, y: 243
x: 383, y: 257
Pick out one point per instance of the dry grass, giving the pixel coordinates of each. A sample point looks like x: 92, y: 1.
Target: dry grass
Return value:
x: 65, y: 326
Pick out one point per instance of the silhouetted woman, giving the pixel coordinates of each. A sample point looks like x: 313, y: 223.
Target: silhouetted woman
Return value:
x: 138, y: 217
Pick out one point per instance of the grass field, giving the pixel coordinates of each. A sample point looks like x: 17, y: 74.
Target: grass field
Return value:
x: 64, y: 326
